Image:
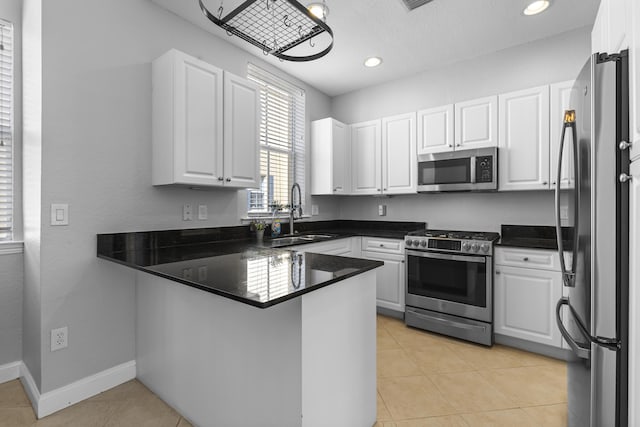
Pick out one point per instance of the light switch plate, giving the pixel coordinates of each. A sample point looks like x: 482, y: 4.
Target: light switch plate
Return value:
x: 202, y: 212
x: 59, y: 214
x: 314, y: 209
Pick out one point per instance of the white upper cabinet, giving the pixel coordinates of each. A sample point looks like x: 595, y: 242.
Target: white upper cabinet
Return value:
x: 524, y: 140
x: 399, y: 162
x: 366, y: 157
x: 187, y: 121
x: 560, y: 101
x: 205, y: 125
x: 331, y: 154
x: 241, y: 132
x: 435, y: 130
x: 476, y: 123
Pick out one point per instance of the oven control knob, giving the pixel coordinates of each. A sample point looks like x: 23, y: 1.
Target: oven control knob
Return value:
x: 408, y: 242
x: 485, y: 247
x: 466, y: 246
x: 423, y: 243
x: 475, y: 247
x: 416, y: 242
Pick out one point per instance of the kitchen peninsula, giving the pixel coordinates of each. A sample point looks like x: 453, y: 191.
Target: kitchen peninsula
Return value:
x: 235, y: 333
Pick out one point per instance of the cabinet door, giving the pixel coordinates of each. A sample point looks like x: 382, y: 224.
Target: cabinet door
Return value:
x: 389, y: 280
x: 524, y: 140
x: 634, y: 77
x: 399, y: 162
x: 330, y: 157
x: 560, y: 101
x: 366, y: 158
x: 634, y: 293
x: 435, y: 130
x: 525, y: 301
x: 476, y: 123
x: 341, y: 155
x: 322, y: 157
x: 619, y: 11
x: 241, y: 132
x: 600, y: 31
x: 197, y: 109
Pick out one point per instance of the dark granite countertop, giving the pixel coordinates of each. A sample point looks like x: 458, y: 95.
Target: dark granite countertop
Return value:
x: 228, y: 261
x: 533, y: 236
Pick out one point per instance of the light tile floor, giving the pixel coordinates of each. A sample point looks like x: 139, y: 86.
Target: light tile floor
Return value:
x: 424, y: 380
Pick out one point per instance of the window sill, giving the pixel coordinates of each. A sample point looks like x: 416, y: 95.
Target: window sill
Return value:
x: 269, y: 217
x: 10, y: 248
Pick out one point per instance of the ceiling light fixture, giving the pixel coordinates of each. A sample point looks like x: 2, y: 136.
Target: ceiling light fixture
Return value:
x: 374, y: 61
x: 319, y: 10
x: 535, y: 7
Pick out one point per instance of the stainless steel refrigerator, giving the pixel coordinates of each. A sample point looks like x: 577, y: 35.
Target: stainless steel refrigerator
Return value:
x: 594, y: 317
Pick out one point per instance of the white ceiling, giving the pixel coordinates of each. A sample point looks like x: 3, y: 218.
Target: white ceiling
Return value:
x: 439, y: 33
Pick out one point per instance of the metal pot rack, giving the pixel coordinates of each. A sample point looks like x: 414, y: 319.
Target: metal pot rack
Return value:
x: 275, y: 26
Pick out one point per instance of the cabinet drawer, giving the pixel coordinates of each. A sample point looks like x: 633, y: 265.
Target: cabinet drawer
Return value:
x: 390, y: 246
x: 530, y: 258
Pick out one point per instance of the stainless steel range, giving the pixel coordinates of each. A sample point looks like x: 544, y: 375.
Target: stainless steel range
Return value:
x: 450, y: 283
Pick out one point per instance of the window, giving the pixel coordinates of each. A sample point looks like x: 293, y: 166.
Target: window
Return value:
x: 6, y: 130
x: 281, y: 141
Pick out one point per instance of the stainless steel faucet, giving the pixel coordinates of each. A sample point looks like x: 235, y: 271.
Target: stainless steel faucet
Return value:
x: 293, y: 207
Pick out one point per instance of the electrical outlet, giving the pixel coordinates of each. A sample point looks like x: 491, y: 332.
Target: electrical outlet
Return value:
x: 314, y: 210
x: 202, y: 212
x: 59, y: 338
x: 187, y: 212
x: 382, y: 210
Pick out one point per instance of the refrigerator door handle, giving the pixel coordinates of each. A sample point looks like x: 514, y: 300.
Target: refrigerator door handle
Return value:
x: 582, y: 351
x: 568, y: 277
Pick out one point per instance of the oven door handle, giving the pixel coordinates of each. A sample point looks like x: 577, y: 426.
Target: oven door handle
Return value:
x: 448, y: 322
x: 467, y: 258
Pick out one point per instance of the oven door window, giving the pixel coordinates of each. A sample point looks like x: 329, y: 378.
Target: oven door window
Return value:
x: 464, y: 282
x: 449, y: 171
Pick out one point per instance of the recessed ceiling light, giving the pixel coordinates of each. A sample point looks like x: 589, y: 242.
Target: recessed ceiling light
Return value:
x: 537, y: 6
x: 374, y: 61
x: 319, y: 10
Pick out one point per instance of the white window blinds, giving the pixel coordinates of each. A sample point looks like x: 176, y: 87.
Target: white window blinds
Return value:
x: 282, y: 143
x: 6, y: 130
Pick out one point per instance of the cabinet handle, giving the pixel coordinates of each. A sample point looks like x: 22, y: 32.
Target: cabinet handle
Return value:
x: 497, y: 272
x: 624, y: 178
x: 525, y: 258
x: 544, y: 183
x: 458, y: 145
x: 384, y: 189
x: 553, y: 183
x: 381, y: 245
x: 450, y: 145
x: 220, y: 178
x: 228, y: 179
x: 624, y: 145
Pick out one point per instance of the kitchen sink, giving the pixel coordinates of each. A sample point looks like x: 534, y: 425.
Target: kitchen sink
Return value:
x: 299, y: 240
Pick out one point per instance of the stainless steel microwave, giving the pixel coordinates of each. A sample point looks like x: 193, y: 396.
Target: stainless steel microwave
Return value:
x: 464, y: 170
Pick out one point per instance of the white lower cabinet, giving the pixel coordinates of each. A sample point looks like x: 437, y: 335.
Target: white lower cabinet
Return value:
x: 525, y: 297
x: 391, y: 276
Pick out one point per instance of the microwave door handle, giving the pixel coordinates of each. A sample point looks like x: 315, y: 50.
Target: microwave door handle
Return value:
x: 472, y: 169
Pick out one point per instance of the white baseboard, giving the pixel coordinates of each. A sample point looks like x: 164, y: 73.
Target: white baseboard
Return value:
x: 55, y: 400
x: 10, y: 371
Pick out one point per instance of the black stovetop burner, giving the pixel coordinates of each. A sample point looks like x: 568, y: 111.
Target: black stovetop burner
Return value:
x: 459, y: 235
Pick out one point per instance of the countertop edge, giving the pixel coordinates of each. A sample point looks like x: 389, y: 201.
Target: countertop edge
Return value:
x: 373, y: 265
